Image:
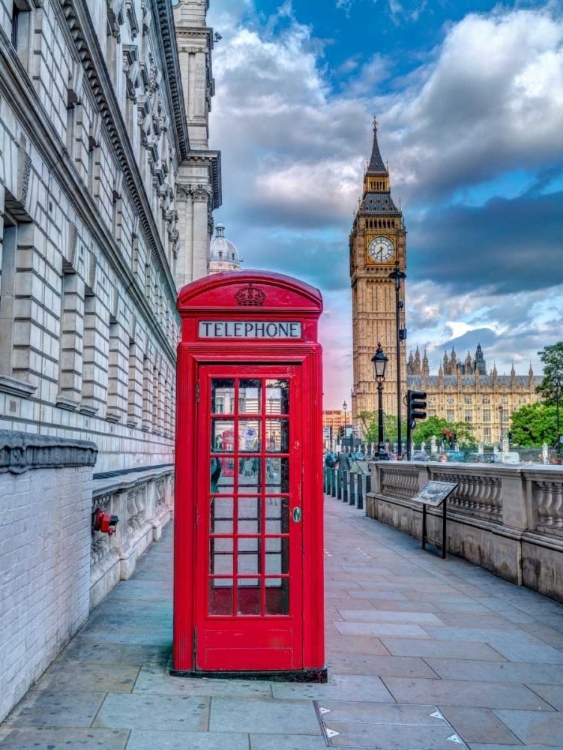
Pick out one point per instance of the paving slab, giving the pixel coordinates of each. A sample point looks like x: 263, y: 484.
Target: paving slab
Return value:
x: 87, y: 650
x: 380, y: 628
x: 257, y: 716
x: 286, y: 742
x: 73, y: 675
x: 56, y: 709
x: 339, y: 688
x: 392, y: 737
x: 533, y: 728
x: 371, y: 615
x: 553, y: 694
x: 337, y: 644
x: 155, y: 712
x: 441, y: 649
x: 478, y: 725
x: 396, y: 666
x: 462, y: 669
x: 144, y: 739
x: 464, y: 693
x: 160, y: 682
x: 67, y: 738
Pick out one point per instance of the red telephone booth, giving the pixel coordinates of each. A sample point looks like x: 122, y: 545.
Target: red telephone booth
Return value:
x: 248, y: 568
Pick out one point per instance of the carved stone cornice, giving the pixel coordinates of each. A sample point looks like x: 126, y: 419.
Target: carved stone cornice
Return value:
x: 82, y: 29
x: 166, y: 35
x: 211, y: 159
x: 23, y: 451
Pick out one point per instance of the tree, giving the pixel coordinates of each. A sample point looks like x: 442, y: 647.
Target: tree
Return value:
x: 534, y: 424
x: 435, y: 426
x: 552, y: 360
x: 370, y: 424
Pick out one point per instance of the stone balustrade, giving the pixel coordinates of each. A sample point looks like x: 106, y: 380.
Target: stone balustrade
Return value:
x: 143, y: 501
x: 508, y: 519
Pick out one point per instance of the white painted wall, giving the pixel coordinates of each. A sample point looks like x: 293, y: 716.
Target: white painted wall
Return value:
x: 45, y: 520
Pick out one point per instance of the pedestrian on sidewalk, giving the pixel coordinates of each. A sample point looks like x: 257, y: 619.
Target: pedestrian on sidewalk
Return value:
x: 343, y: 462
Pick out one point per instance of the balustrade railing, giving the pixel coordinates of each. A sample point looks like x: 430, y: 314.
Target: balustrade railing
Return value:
x: 143, y: 502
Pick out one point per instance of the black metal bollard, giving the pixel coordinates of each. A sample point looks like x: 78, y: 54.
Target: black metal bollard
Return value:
x: 353, y: 488
x: 333, y: 482
x: 339, y: 485
x: 360, y: 491
x: 345, y: 487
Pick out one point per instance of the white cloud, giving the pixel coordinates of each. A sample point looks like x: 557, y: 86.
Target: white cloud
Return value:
x: 490, y: 99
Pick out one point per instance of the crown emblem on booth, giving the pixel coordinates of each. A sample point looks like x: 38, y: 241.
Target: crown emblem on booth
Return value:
x: 250, y: 297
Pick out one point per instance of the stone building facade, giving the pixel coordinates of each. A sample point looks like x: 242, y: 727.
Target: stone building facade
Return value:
x: 107, y: 188
x: 463, y: 391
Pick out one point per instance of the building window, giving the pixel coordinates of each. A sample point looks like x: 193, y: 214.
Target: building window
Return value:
x: 432, y: 412
x: 468, y: 415
x: 468, y: 399
x: 450, y: 401
x: 504, y: 415
x: 431, y: 399
x: 450, y: 415
x: 504, y: 399
x: 7, y: 294
x: 486, y: 415
x: 15, y: 25
x: 522, y: 400
x: 487, y: 434
x: 486, y: 400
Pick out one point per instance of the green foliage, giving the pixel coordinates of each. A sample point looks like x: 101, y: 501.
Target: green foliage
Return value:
x: 436, y: 425
x: 369, y: 421
x: 534, y: 424
x: 552, y: 360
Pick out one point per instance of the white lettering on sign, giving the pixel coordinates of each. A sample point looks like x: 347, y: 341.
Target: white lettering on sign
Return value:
x: 248, y: 329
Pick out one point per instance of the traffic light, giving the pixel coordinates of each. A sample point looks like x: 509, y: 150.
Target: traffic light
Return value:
x: 342, y: 433
x: 416, y: 407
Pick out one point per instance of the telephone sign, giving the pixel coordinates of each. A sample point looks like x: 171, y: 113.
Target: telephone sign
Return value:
x: 248, y: 590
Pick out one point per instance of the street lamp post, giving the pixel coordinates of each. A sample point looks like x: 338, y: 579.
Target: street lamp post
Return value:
x: 379, y: 365
x: 344, y: 408
x: 398, y: 276
x: 500, y: 413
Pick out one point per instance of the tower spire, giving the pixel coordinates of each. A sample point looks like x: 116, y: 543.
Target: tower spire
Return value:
x: 376, y: 163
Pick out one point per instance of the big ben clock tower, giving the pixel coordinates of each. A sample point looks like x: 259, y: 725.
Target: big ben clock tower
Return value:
x: 377, y: 248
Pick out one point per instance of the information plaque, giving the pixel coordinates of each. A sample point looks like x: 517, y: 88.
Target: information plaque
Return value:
x: 435, y: 493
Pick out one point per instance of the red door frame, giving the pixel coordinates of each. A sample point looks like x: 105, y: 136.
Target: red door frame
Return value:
x: 207, y: 299
x: 261, y: 642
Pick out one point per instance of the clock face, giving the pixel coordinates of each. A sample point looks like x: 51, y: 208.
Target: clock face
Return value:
x: 381, y: 249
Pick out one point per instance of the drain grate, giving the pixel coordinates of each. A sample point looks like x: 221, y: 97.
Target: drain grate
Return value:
x: 384, y: 726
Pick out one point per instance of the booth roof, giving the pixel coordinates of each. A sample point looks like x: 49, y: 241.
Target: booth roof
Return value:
x: 219, y: 289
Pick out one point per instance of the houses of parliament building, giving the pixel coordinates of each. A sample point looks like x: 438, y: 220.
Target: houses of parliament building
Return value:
x: 462, y: 390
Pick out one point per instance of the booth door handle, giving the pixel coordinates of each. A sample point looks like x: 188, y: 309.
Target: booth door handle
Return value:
x: 297, y: 515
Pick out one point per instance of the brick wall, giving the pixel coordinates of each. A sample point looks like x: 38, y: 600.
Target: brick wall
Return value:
x: 45, y: 539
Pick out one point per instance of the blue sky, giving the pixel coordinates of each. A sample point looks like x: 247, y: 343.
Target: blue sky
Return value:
x: 469, y: 96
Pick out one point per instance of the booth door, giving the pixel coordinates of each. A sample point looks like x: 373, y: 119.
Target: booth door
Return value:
x: 249, y: 555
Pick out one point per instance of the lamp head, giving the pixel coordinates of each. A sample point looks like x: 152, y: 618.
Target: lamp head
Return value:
x: 379, y: 360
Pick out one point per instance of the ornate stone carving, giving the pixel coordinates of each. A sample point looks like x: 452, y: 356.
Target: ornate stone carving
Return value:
x: 22, y: 451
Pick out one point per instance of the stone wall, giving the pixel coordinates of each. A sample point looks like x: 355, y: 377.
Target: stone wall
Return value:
x: 45, y: 521
x: 507, y: 519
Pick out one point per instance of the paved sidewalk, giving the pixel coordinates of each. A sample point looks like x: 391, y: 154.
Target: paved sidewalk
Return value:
x: 424, y: 654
